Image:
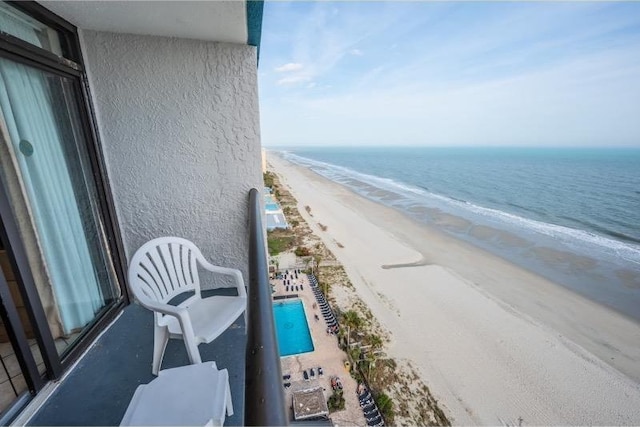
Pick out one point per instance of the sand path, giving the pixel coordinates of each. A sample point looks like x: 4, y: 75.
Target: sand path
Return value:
x: 492, y: 341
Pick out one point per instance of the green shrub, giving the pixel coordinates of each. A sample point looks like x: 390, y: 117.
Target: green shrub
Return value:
x: 267, y: 177
x: 385, y: 406
x: 336, y: 401
x: 302, y: 251
x: 279, y: 241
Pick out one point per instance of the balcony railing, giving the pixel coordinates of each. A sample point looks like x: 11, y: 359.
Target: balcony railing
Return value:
x: 264, y: 399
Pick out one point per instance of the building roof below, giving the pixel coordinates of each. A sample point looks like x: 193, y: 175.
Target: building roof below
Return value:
x: 276, y: 220
x: 309, y: 403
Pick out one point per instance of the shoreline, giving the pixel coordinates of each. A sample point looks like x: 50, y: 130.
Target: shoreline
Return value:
x: 501, y: 329
x: 603, y: 270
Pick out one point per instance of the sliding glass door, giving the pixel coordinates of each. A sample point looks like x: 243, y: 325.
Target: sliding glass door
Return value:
x: 58, y: 278
x: 49, y: 164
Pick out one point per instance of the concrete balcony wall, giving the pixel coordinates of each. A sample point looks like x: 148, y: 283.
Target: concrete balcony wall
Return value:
x: 179, y: 126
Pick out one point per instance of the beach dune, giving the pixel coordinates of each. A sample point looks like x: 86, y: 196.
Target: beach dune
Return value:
x: 495, y: 343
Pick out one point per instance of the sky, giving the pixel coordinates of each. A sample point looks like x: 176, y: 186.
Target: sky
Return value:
x: 450, y: 74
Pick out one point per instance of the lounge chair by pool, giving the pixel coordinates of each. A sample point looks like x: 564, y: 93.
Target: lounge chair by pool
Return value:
x: 365, y: 403
x: 370, y: 408
x: 365, y: 396
x: 374, y: 421
x: 305, y: 375
x: 336, y: 383
x: 371, y: 413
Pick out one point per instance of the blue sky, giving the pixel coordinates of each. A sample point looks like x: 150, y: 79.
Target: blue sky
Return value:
x: 450, y: 73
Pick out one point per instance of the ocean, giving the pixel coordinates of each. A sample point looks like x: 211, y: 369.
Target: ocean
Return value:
x: 570, y: 215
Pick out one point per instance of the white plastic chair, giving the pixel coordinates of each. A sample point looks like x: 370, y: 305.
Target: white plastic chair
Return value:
x: 166, y: 267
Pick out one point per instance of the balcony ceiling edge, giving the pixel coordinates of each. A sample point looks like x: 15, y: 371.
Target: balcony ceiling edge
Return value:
x: 221, y: 21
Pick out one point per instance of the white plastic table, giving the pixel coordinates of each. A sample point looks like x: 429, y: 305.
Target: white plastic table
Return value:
x: 195, y: 395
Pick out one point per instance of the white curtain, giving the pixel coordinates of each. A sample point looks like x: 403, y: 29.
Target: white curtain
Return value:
x: 28, y: 110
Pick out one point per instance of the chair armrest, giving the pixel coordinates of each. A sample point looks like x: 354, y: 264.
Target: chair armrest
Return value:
x: 236, y: 274
x: 182, y: 314
x: 168, y: 309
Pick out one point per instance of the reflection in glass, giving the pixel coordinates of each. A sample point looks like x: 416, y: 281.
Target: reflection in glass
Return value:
x: 48, y: 152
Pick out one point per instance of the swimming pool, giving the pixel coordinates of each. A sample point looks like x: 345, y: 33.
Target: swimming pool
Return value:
x: 292, y: 328
x: 271, y: 207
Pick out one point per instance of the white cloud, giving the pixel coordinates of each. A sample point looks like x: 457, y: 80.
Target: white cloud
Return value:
x: 291, y: 66
x: 523, y: 74
x: 586, y: 101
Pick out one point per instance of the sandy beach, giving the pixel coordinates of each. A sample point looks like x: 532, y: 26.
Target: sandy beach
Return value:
x: 493, y: 341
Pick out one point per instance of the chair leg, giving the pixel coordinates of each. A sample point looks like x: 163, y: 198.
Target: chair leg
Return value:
x: 160, y: 339
x: 228, y: 396
x: 246, y: 323
x: 192, y: 350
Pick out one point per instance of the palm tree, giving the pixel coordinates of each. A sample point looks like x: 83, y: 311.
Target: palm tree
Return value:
x: 385, y: 405
x: 352, y: 320
x: 375, y: 342
x: 317, y: 258
x: 372, y: 358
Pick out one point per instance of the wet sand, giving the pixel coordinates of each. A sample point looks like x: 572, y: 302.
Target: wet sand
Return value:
x: 493, y: 341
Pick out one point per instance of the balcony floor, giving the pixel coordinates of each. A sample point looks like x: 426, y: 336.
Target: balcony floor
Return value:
x: 98, y: 390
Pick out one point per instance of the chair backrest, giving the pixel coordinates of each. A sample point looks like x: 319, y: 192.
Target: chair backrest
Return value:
x: 163, y: 268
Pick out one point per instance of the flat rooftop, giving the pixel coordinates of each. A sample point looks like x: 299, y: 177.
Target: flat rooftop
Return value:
x: 309, y: 403
x: 276, y: 220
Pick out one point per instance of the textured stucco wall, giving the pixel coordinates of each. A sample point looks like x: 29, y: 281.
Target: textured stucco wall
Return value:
x: 178, y: 122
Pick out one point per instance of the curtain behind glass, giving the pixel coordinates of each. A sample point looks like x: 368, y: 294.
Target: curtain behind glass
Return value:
x: 27, y: 107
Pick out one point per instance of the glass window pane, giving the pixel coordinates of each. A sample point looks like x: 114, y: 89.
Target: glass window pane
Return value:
x: 12, y: 380
x: 47, y: 150
x: 24, y: 27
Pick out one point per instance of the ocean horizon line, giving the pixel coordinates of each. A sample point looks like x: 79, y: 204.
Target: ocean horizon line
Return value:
x: 453, y: 147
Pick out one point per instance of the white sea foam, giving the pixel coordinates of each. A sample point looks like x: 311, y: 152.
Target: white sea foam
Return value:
x: 572, y: 237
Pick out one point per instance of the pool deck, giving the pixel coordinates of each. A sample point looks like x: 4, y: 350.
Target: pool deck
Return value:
x: 327, y: 355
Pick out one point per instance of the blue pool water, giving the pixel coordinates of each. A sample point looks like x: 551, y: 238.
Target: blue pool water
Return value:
x: 270, y: 207
x: 292, y: 328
